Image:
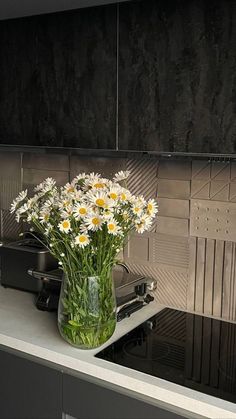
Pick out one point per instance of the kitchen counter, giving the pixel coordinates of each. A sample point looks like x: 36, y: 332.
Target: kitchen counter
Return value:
x: 34, y: 333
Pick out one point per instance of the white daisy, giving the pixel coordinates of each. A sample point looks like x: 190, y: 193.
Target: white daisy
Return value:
x: 139, y: 227
x: 22, y: 195
x: 80, y: 210
x: 65, y: 226
x: 107, y: 214
x: 82, y: 240
x: 125, y: 195
x: 152, y: 207
x: 44, y: 216
x: 137, y: 209
x: 122, y: 175
x: 146, y: 221
x: 69, y: 188
x: 94, y: 222
x: 112, y: 227
x: 99, y: 199
x: 97, y: 183
x: 114, y: 193
x: 81, y: 176
x: 46, y: 186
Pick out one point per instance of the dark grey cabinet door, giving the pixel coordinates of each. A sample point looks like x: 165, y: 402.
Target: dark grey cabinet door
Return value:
x: 174, y: 76
x: 85, y: 400
x: 28, y: 390
x: 58, y: 79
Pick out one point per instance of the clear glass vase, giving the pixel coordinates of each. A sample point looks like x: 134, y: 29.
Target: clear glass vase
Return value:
x: 87, y: 309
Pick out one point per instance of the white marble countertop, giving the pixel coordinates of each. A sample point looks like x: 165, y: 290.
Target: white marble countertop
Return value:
x: 33, y: 332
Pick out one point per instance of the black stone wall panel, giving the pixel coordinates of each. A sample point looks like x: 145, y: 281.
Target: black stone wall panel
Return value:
x: 177, y: 78
x: 58, y: 79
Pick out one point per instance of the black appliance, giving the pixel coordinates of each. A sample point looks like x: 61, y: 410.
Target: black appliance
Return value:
x: 17, y: 257
x: 132, y: 291
x: 191, y: 350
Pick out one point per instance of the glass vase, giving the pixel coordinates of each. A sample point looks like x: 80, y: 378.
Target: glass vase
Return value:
x: 87, y: 309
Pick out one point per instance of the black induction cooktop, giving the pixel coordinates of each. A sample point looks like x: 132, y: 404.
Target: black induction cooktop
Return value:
x: 187, y: 349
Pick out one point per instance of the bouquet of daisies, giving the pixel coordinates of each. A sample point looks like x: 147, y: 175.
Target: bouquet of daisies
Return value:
x: 90, y: 217
x: 85, y: 225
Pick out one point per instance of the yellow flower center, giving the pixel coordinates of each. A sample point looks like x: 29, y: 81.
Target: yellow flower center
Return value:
x: 95, y: 221
x: 100, y: 202
x: 123, y: 197
x: 46, y: 217
x: 66, y: 203
x: 113, y: 195
x: 136, y: 209
x: 82, y: 211
x: 65, y: 224
x: 99, y: 185
x: 111, y: 227
x: 71, y: 189
x: 150, y: 207
x: 82, y: 239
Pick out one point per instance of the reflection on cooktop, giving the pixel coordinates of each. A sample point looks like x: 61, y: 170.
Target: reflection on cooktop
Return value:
x: 187, y: 349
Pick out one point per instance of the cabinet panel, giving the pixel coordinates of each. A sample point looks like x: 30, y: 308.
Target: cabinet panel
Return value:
x: 58, y: 79
x: 175, y: 77
x: 85, y: 400
x: 28, y: 390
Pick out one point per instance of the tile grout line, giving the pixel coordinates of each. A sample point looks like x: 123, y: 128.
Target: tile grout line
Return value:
x: 117, y: 75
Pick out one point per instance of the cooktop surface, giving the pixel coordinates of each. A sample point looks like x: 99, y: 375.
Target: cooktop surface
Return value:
x: 187, y: 349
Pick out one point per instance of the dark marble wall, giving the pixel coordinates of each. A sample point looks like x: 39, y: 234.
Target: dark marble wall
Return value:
x: 58, y: 79
x: 176, y: 77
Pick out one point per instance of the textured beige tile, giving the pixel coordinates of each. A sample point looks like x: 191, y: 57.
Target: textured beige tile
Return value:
x: 10, y: 165
x: 232, y: 192
x: 220, y: 171
x: 170, y: 250
x: 143, y: 177
x: 178, y: 208
x: 171, y: 284
x: 173, y: 188
x: 45, y: 161
x: 170, y: 225
x: 179, y: 170
x: 138, y: 249
x: 201, y: 169
x: 200, y: 189
x: 10, y: 178
x: 233, y: 171
x: 213, y: 219
x: 219, y: 190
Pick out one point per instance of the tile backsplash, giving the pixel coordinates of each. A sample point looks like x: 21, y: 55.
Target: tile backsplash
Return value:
x: 190, y: 250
